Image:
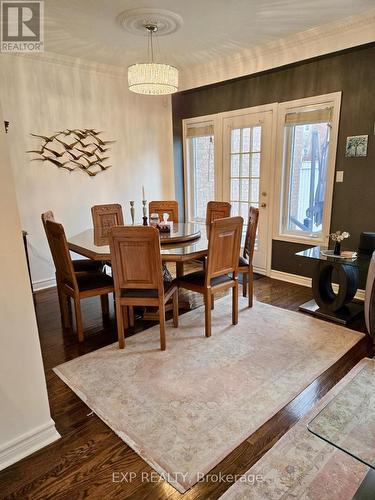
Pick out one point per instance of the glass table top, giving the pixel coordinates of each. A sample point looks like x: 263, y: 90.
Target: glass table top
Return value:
x: 348, y: 420
x: 362, y: 260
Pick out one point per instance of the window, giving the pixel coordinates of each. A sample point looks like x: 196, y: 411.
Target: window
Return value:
x: 308, y: 164
x: 200, y: 150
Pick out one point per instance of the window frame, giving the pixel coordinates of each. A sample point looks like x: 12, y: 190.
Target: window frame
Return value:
x: 281, y: 172
x: 188, y: 181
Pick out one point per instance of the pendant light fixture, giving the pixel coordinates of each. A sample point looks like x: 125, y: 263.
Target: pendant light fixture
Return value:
x: 152, y: 78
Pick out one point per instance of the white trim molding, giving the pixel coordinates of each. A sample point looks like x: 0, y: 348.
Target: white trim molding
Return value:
x: 296, y: 279
x: 332, y: 37
x: 43, y: 284
x: 27, y: 443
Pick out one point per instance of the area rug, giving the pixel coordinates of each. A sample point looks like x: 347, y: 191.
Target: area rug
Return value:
x: 304, y: 467
x: 185, y: 409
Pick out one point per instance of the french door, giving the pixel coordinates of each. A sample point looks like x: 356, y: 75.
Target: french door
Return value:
x: 228, y: 158
x: 246, y: 162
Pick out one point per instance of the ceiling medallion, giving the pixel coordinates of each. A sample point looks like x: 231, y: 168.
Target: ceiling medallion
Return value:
x: 134, y: 21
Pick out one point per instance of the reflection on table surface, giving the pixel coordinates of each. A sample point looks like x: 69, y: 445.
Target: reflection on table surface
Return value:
x: 362, y: 261
x: 86, y: 242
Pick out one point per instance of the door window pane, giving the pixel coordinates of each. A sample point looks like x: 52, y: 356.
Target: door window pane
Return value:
x: 245, y: 169
x: 202, y: 172
x: 305, y: 151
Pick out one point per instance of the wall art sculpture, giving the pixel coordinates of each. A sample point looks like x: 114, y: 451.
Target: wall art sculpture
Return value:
x: 74, y: 149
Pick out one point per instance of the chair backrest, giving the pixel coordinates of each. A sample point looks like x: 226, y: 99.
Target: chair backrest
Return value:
x: 136, y: 258
x: 47, y: 216
x: 161, y: 207
x: 217, y: 210
x: 370, y: 298
x: 104, y: 217
x: 224, y: 247
x: 251, y: 234
x: 60, y: 253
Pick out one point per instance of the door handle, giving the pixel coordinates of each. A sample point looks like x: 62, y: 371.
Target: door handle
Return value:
x: 263, y: 205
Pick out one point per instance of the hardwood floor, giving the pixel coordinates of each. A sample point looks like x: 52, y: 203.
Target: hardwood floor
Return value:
x: 87, y: 462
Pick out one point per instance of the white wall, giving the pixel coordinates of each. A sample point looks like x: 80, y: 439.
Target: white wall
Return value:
x: 25, y: 422
x: 44, y: 97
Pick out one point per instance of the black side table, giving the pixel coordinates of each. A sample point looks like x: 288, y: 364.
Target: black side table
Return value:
x: 340, y: 306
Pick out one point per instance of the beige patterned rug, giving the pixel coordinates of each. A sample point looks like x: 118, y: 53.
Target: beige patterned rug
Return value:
x: 302, y: 466
x: 185, y: 409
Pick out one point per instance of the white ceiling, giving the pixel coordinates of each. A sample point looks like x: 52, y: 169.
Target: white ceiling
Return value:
x: 88, y: 29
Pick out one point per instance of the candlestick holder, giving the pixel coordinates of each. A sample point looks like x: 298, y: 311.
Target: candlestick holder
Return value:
x: 144, y: 203
x: 132, y: 211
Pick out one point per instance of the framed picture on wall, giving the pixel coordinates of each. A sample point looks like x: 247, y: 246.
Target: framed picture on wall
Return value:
x: 356, y: 145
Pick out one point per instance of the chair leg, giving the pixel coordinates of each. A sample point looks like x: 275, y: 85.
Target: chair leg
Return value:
x: 104, y: 300
x: 251, y: 287
x: 120, y: 324
x: 235, y: 303
x: 162, y: 325
x: 79, y: 326
x: 131, y: 316
x: 175, y: 308
x: 64, y: 308
x: 207, y: 313
x: 125, y: 316
x: 244, y: 284
x: 212, y: 302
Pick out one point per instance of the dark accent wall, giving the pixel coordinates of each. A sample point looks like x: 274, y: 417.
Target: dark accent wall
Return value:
x: 352, y: 72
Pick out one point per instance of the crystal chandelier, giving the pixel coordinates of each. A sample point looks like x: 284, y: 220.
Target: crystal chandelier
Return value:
x: 152, y: 78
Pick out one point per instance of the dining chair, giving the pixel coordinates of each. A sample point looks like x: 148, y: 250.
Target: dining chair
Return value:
x: 104, y: 217
x: 217, y: 210
x: 77, y: 285
x: 221, y: 271
x: 137, y: 273
x: 246, y: 260
x: 79, y: 265
x: 161, y: 207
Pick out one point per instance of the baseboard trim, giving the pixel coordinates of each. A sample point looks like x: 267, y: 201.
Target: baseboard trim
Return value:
x: 27, y: 443
x: 43, y: 284
x: 305, y: 281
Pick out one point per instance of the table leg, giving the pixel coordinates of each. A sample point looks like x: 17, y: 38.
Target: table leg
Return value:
x: 366, y: 490
x: 179, y: 269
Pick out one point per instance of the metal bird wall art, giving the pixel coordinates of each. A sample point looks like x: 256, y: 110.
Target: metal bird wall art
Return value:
x: 73, y: 149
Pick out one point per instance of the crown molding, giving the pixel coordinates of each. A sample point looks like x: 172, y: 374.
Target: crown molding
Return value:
x: 339, y: 35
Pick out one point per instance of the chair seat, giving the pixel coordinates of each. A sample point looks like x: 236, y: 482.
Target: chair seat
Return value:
x: 243, y: 262
x: 198, y: 277
x: 87, y: 265
x: 90, y: 281
x: 146, y: 292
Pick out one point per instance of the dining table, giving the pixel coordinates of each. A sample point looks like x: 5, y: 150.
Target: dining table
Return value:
x: 184, y: 242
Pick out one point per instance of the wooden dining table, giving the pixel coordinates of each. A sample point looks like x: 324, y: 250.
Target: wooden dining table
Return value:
x: 185, y: 242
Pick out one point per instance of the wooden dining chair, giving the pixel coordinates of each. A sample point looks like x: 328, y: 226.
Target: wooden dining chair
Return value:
x: 104, y: 217
x: 221, y: 269
x: 137, y: 273
x: 77, y: 285
x: 161, y: 207
x: 217, y: 210
x: 246, y: 260
x: 79, y: 265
